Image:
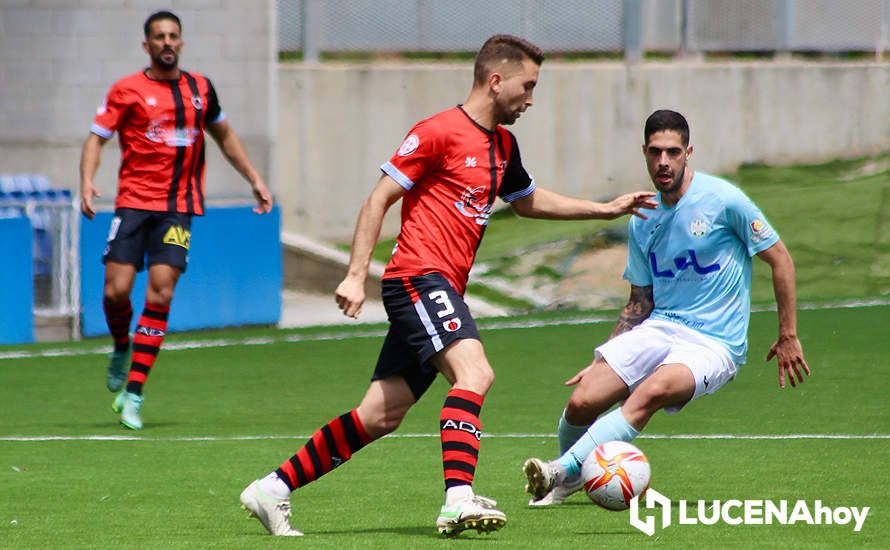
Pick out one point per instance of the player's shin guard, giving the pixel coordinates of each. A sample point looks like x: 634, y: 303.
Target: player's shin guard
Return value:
x: 460, y: 431
x: 118, y: 316
x: 611, y: 427
x: 329, y: 447
x: 146, y: 344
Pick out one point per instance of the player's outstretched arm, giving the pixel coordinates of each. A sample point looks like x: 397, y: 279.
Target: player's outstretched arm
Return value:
x: 350, y: 293
x: 787, y: 348
x: 89, y: 165
x: 544, y: 204
x: 233, y: 150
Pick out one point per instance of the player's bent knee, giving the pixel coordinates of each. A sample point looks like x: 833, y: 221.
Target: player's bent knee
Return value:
x: 581, y: 410
x: 481, y: 380
x: 382, y: 423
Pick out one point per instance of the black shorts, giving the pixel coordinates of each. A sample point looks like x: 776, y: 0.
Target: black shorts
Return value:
x: 162, y: 236
x: 425, y: 315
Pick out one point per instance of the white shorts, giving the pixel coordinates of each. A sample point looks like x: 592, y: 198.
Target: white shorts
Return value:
x: 636, y: 354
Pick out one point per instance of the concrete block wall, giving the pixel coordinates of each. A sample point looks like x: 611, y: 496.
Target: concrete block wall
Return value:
x: 59, y: 57
x: 583, y: 136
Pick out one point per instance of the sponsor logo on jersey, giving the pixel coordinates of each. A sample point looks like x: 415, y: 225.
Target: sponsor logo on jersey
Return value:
x: 102, y: 108
x: 151, y: 101
x: 470, y: 162
x: 681, y: 263
x: 471, y: 205
x: 178, y: 236
x: 163, y: 130
x: 409, y: 145
x: 698, y: 228
x: 452, y: 324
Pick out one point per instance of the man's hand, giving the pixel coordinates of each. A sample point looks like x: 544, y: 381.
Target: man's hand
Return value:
x: 87, y: 192
x: 580, y: 374
x: 263, y: 197
x: 630, y: 203
x: 350, y: 296
x: 789, y: 354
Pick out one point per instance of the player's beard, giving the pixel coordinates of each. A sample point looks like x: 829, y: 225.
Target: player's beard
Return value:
x: 675, y: 183
x: 164, y: 64
x: 506, y: 117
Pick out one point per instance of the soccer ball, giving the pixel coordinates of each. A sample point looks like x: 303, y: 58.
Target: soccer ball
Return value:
x: 614, y: 473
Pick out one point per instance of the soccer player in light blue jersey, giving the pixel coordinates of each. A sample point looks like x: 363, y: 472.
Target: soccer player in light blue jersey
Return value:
x: 683, y: 332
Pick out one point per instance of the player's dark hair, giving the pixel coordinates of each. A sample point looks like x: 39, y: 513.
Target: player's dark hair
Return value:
x: 503, y: 48
x: 663, y: 120
x: 160, y: 16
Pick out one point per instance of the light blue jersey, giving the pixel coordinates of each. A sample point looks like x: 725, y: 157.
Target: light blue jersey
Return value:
x: 696, y: 256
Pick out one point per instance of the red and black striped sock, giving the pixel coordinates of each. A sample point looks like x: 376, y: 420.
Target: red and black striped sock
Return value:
x: 329, y: 447
x: 460, y: 430
x: 118, y: 316
x: 147, y: 341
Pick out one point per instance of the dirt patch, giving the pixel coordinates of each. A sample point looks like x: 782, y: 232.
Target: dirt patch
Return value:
x: 594, y: 281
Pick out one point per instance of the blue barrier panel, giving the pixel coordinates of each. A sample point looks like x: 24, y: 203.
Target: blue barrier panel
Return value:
x: 16, y: 282
x: 233, y: 278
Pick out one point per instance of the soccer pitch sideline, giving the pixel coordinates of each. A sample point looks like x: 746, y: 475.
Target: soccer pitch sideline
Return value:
x: 224, y: 408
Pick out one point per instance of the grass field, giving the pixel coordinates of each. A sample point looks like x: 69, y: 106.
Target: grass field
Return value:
x: 220, y: 415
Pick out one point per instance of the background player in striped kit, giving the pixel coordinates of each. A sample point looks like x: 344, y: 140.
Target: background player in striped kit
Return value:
x: 448, y: 171
x: 160, y: 114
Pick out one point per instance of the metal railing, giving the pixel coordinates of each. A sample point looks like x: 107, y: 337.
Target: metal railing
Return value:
x: 629, y: 27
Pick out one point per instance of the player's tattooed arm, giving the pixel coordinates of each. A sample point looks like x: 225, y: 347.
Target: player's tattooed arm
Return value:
x: 639, y: 306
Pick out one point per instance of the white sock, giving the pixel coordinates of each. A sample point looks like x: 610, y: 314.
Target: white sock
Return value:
x: 458, y: 492
x: 274, y: 486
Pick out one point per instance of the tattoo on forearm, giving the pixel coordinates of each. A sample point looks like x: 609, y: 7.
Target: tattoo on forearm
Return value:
x: 637, y: 310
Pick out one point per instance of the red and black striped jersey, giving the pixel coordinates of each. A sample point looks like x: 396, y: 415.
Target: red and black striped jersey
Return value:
x: 160, y: 124
x: 452, y: 169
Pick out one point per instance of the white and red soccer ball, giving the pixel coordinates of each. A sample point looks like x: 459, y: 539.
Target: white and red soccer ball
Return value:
x: 614, y: 473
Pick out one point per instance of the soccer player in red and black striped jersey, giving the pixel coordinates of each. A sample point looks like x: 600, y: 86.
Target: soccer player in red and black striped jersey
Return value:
x: 160, y: 115
x: 448, y: 171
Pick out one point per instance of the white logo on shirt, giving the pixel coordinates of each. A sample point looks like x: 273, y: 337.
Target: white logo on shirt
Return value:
x: 151, y: 101
x: 698, y: 228
x: 470, y: 162
x: 102, y: 108
x: 409, y: 145
x: 164, y: 130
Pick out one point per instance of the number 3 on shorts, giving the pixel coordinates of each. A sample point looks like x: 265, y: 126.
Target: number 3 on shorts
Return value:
x: 441, y: 297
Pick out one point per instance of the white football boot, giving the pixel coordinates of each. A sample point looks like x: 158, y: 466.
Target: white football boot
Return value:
x: 559, y: 492
x: 541, y: 476
x: 273, y: 513
x: 475, y: 512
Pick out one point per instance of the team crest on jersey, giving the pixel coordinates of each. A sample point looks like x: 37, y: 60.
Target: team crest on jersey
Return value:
x: 698, y: 228
x: 452, y: 324
x: 197, y: 102
x: 472, y: 205
x: 409, y: 145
